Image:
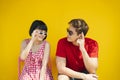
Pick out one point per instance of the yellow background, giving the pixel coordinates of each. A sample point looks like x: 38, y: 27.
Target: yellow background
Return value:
x: 102, y: 16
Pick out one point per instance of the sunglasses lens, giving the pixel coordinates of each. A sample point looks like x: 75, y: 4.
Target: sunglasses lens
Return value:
x: 69, y: 32
x: 42, y: 33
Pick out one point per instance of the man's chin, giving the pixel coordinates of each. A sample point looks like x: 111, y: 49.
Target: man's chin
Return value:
x: 68, y: 40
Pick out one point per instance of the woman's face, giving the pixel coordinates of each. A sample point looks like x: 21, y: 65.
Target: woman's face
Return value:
x: 41, y: 34
x: 72, y: 35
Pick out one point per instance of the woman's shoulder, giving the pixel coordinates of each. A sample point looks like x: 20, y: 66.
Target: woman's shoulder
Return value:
x: 47, y: 43
x: 28, y: 39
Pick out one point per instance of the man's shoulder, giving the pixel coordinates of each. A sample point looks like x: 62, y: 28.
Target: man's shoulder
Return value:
x: 90, y: 41
x: 64, y: 39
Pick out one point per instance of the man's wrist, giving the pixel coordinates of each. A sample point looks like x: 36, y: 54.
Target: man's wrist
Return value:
x: 83, y: 50
x: 84, y: 76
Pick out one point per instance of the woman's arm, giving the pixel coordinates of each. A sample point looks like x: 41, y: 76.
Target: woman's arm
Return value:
x: 25, y: 48
x: 45, y: 61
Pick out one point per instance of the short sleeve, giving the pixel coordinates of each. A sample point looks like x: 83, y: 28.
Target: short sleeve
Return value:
x: 93, y: 49
x: 60, y: 49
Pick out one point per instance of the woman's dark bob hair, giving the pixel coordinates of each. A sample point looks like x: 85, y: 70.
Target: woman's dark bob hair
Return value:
x: 38, y: 24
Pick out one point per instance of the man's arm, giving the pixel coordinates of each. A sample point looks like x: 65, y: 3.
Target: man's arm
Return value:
x: 91, y: 64
x: 62, y: 69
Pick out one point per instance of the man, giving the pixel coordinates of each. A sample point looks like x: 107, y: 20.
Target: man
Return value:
x: 76, y: 56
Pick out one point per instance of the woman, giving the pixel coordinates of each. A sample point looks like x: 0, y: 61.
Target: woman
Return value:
x: 35, y: 52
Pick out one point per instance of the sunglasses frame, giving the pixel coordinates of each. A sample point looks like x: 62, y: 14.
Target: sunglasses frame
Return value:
x: 42, y: 33
x: 69, y: 32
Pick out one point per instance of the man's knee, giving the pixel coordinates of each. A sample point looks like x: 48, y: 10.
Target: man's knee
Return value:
x: 63, y: 77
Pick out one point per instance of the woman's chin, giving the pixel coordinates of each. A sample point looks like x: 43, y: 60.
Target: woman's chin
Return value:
x: 40, y: 39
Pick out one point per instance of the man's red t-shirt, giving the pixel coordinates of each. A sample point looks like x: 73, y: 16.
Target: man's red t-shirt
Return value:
x: 73, y: 54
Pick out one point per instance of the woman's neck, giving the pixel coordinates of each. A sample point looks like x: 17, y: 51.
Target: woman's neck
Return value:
x: 37, y: 42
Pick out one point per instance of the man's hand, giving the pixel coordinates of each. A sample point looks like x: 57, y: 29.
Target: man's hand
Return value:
x: 91, y: 77
x: 81, y: 41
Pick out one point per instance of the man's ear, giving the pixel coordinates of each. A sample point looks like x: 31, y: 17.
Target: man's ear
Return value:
x: 80, y: 36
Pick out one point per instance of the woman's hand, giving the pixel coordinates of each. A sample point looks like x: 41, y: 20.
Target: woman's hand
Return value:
x: 35, y: 35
